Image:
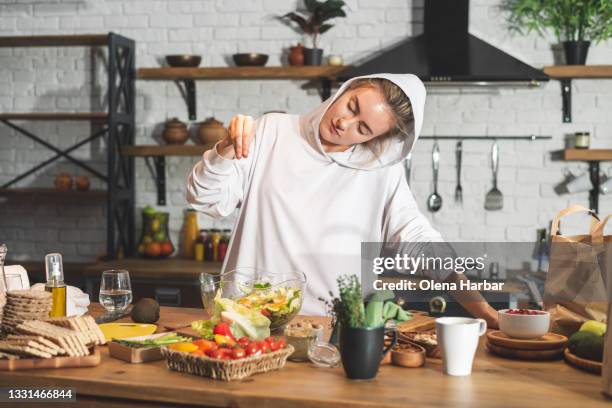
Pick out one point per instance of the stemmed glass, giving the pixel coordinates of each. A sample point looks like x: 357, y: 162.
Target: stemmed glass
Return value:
x: 115, y: 291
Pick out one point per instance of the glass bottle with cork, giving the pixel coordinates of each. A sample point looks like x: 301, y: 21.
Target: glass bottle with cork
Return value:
x: 55, y: 284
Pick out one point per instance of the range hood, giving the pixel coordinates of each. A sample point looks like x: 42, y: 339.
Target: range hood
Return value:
x: 447, y: 54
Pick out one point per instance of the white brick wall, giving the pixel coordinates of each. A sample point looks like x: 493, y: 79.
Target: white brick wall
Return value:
x: 42, y: 79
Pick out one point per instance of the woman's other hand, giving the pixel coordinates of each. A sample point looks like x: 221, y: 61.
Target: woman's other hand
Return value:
x: 238, y: 140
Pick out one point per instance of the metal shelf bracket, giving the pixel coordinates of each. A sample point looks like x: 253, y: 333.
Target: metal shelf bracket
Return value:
x: 566, y: 94
x: 158, y: 171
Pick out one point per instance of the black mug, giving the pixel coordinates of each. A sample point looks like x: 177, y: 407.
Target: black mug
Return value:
x: 362, y: 350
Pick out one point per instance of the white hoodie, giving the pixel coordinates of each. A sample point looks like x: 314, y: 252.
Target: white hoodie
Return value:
x: 302, y: 208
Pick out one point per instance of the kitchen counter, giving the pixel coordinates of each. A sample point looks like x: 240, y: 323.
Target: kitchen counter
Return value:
x: 495, y: 382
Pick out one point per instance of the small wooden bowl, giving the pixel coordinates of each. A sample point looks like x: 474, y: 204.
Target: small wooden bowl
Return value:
x: 408, y: 355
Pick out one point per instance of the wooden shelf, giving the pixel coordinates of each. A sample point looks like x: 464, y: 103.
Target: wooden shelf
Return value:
x: 165, y: 150
x: 55, y: 40
x: 51, y: 193
x: 171, y: 268
x: 289, y: 72
x: 587, y: 154
x: 54, y: 116
x: 578, y: 71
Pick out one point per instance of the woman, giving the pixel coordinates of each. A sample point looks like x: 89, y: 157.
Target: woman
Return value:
x: 312, y: 188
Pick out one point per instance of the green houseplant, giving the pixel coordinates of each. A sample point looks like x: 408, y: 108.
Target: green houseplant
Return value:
x: 312, y: 22
x: 575, y: 23
x: 361, y: 327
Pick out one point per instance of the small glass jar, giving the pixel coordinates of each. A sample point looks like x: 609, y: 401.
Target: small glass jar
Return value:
x: 582, y: 140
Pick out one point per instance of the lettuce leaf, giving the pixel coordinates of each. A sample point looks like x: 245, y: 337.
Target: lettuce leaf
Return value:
x: 253, y: 324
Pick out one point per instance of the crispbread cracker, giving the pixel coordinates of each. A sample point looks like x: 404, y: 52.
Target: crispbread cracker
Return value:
x: 28, y: 294
x: 39, y: 339
x: 23, y: 350
x: 95, y: 330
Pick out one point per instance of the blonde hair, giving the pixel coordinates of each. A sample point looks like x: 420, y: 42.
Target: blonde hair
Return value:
x: 398, y: 102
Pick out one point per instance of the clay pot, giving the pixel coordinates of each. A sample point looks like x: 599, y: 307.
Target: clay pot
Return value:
x: 82, y: 183
x: 63, y: 182
x: 175, y: 132
x: 296, y: 55
x: 211, y: 131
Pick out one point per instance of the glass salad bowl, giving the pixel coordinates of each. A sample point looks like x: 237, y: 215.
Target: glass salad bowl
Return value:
x: 276, y: 295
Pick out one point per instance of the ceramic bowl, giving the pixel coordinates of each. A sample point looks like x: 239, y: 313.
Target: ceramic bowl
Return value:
x: 524, y: 326
x: 251, y: 59
x: 186, y: 60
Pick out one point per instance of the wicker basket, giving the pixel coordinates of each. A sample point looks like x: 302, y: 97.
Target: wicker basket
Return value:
x: 226, y: 370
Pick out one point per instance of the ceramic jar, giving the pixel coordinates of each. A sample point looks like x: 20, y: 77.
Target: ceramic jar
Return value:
x: 211, y: 131
x: 63, y: 182
x: 296, y: 55
x: 82, y: 183
x: 175, y: 132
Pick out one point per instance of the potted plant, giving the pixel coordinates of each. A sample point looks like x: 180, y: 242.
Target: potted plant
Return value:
x: 312, y: 21
x: 362, y: 327
x: 575, y: 23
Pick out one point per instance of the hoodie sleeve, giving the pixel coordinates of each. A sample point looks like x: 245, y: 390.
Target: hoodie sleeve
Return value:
x: 403, y: 222
x: 216, y: 185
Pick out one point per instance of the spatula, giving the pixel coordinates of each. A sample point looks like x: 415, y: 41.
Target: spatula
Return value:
x: 494, y: 199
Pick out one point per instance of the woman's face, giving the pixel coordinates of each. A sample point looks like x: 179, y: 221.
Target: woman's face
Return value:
x: 357, y: 116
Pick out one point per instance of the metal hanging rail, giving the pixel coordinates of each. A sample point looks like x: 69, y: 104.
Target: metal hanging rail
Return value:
x: 497, y: 138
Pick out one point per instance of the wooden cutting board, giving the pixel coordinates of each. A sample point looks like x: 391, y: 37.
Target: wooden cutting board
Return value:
x: 419, y: 322
x: 554, y: 354
x: 582, y: 363
x: 550, y: 341
x: 55, y: 362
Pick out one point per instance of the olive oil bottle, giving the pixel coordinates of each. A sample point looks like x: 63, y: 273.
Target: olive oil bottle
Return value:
x: 55, y: 284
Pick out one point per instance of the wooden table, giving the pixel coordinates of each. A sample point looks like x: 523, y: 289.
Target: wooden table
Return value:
x: 495, y: 382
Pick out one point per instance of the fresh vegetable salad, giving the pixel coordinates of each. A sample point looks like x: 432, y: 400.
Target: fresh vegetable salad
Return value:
x: 279, y: 304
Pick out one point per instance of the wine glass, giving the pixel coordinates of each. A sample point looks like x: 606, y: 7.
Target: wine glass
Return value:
x: 115, y: 291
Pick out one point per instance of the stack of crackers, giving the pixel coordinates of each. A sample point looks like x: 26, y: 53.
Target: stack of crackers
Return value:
x: 24, y: 305
x: 64, y: 336
x: 28, y: 330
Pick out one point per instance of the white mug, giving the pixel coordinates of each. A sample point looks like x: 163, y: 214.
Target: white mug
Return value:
x: 458, y: 340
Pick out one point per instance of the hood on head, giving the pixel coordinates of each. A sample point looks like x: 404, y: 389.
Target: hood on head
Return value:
x: 376, y: 153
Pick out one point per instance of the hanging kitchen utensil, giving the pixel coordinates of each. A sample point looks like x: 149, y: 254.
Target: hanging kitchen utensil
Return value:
x: 407, y: 166
x: 494, y: 199
x: 434, y: 201
x: 459, y: 189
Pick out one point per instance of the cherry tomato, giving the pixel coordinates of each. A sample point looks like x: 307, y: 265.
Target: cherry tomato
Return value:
x: 244, y: 341
x: 269, y: 340
x: 252, y: 349
x: 264, y: 347
x: 266, y: 312
x: 282, y: 343
x: 238, y: 353
x: 214, y: 353
x: 223, y: 329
